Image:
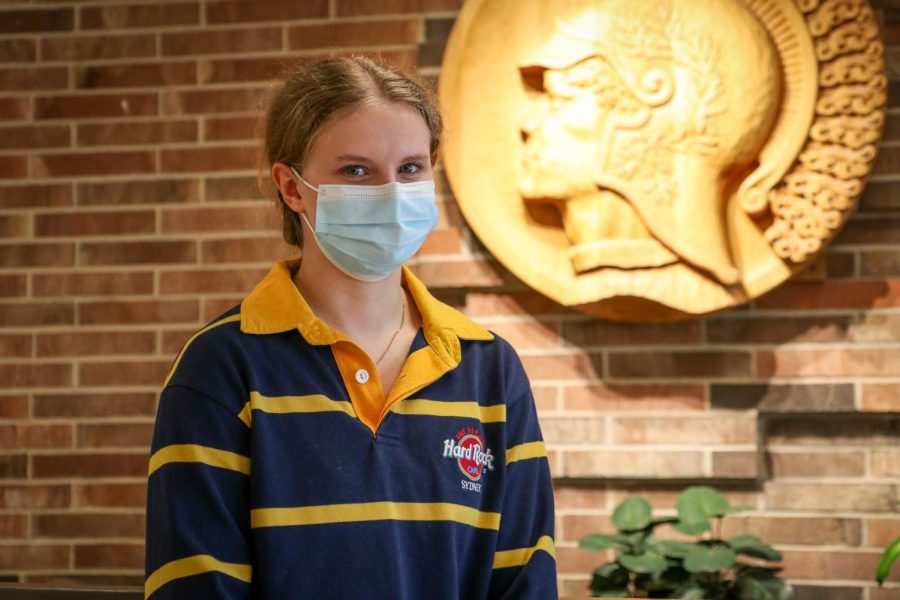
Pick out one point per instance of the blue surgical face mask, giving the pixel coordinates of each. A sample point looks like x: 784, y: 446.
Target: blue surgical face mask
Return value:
x: 368, y: 231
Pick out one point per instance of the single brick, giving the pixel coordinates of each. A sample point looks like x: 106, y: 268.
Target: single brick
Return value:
x: 92, y: 284
x: 30, y: 136
x: 37, y: 20
x: 84, y: 224
x: 120, y: 373
x: 783, y: 398
x: 89, y: 465
x: 143, y: 15
x: 679, y: 364
x: 92, y: 106
x: 86, y: 343
x: 94, y: 404
x: 95, y: 163
x: 139, y: 191
x: 159, y: 74
x: 137, y: 311
x: 221, y: 41
x: 136, y: 253
x: 33, y: 79
x: 109, y: 556
x: 238, y: 11
x: 98, y: 47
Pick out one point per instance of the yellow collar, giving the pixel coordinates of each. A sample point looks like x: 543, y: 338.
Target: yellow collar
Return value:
x: 275, y: 305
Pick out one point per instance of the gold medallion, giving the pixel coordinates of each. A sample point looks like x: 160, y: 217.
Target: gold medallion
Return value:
x: 655, y: 160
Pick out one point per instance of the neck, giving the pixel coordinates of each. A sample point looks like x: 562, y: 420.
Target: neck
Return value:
x: 357, y: 308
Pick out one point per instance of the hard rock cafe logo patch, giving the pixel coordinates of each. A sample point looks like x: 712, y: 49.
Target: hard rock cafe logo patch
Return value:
x: 471, y: 454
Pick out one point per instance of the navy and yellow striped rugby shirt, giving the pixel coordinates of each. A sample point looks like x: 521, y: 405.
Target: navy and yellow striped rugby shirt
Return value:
x: 278, y: 470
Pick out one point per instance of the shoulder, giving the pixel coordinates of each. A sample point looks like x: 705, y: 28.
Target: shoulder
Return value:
x: 209, y: 354
x: 498, y: 362
x: 215, y: 336
x: 496, y: 351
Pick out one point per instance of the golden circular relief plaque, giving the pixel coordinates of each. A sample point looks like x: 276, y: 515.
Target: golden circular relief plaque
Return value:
x: 653, y: 160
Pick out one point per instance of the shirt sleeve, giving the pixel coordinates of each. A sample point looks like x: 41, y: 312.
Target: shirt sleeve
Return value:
x: 198, y: 507
x: 524, y: 566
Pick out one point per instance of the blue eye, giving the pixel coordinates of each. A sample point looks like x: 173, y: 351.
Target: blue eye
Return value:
x: 353, y: 170
x: 410, y: 168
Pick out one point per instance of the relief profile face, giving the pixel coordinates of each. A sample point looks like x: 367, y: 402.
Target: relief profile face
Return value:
x: 567, y: 134
x: 560, y: 132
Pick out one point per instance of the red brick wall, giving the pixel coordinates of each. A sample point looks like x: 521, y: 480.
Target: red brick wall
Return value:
x: 129, y: 217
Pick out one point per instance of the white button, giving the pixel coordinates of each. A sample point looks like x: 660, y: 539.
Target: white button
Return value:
x: 362, y: 376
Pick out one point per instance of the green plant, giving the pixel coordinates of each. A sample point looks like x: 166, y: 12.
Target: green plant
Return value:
x: 708, y: 568
x: 891, y: 553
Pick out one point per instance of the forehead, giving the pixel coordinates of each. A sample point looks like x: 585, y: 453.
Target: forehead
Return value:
x: 380, y: 130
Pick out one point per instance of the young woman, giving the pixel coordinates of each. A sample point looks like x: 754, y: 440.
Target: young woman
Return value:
x: 342, y: 434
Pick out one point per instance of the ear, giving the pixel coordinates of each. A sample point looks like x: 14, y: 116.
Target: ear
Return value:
x: 286, y: 182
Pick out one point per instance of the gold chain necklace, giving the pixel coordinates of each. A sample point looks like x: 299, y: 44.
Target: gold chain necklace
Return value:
x: 393, y: 337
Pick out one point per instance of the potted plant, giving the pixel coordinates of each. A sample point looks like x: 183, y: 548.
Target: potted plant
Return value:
x: 708, y: 567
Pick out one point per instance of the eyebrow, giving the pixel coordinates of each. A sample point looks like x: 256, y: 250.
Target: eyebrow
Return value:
x: 363, y: 159
x: 416, y: 157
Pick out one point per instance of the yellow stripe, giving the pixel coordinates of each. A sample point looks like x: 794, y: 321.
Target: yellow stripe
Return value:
x: 525, y: 451
x: 519, y: 557
x: 194, y: 565
x: 374, y: 511
x: 298, y: 404
x: 246, y: 415
x: 495, y: 413
x: 230, y: 319
x: 178, y: 453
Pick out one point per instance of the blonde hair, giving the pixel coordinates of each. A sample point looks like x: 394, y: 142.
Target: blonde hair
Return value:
x: 312, y: 96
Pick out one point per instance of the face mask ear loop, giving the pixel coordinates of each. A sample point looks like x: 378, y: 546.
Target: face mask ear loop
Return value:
x: 303, y: 215
x: 308, y: 184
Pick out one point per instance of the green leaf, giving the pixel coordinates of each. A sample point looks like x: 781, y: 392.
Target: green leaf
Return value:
x: 632, y: 514
x: 610, y: 580
x: 635, y: 541
x: 781, y: 588
x: 648, y: 562
x: 699, y: 503
x: 754, y: 590
x: 598, y: 542
x: 669, y: 580
x: 609, y: 569
x: 765, y: 588
x: 674, y: 548
x: 691, y: 591
x: 703, y: 559
x: 753, y: 546
x: 757, y: 571
x: 887, y: 561
x: 692, y: 528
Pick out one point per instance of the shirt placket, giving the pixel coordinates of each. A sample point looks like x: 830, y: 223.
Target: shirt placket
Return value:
x: 361, y: 381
